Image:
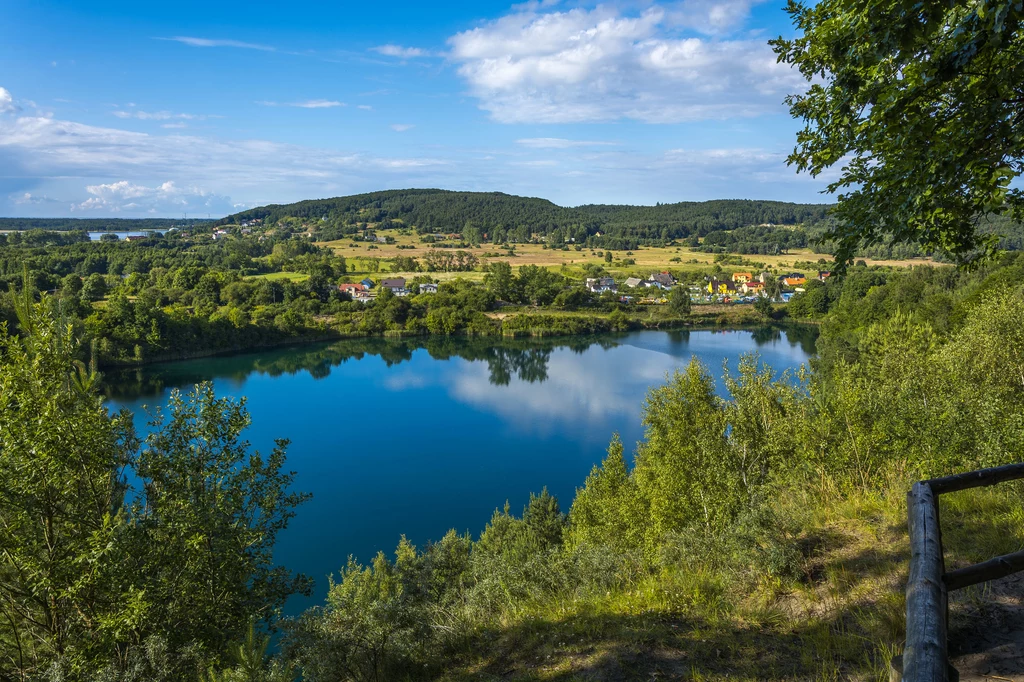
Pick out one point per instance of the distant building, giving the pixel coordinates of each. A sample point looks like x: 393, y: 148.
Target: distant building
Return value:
x: 351, y: 288
x: 363, y: 297
x: 428, y: 288
x: 599, y: 285
x: 794, y: 281
x: 395, y: 285
x: 368, y: 283
x: 666, y: 280
x: 721, y: 287
x: 753, y: 287
x: 135, y: 238
x: 632, y: 282
x: 823, y: 275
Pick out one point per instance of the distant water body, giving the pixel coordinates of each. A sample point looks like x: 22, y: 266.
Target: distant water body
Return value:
x: 95, y: 236
x: 416, y: 437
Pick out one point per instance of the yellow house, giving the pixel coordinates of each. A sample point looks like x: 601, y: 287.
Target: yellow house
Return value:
x: 720, y: 287
x: 742, y: 277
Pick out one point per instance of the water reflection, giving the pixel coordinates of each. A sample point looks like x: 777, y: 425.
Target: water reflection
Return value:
x: 417, y: 436
x: 506, y: 359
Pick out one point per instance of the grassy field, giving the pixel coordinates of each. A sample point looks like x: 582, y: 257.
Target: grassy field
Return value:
x: 571, y: 262
x: 839, y: 617
x: 273, y: 276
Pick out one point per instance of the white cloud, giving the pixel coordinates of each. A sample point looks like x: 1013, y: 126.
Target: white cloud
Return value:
x: 365, y: 107
x: 124, y: 195
x: 390, y: 50
x: 308, y: 104
x: 46, y: 153
x: 91, y: 204
x: 6, y: 102
x: 597, y: 65
x: 156, y: 115
x: 27, y: 198
x: 712, y: 17
x: 560, y: 143
x: 402, y: 127
x: 174, y: 125
x: 208, y: 42
x: 318, y: 104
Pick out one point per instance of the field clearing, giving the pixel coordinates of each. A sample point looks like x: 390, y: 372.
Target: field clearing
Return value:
x: 277, y: 276
x: 647, y: 259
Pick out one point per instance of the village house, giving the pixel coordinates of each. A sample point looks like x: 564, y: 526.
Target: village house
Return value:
x: 351, y: 288
x: 793, y: 281
x: 632, y: 282
x: 721, y: 287
x: 368, y: 283
x: 823, y: 275
x: 396, y: 285
x: 363, y: 297
x: 428, y: 288
x: 764, y: 277
x: 753, y: 287
x: 664, y: 279
x: 742, y: 277
x: 600, y: 285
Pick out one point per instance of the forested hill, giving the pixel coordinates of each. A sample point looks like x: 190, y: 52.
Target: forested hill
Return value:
x: 96, y: 224
x: 434, y: 210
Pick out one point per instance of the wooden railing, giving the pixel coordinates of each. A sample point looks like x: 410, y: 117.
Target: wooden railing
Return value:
x: 925, y: 656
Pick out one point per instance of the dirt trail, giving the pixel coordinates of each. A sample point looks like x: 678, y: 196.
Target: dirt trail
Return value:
x: 987, y: 635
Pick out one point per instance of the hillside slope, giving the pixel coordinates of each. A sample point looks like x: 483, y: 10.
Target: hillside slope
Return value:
x: 431, y: 210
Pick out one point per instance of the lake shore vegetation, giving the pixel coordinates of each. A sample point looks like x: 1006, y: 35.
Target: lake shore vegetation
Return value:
x: 751, y: 535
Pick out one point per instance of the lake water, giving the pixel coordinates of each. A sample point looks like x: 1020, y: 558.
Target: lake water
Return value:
x: 420, y: 436
x: 96, y: 236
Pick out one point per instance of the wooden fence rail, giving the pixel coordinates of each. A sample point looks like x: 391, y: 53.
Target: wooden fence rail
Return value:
x: 925, y: 656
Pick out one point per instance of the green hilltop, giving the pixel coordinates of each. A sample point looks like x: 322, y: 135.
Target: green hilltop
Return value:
x: 429, y: 210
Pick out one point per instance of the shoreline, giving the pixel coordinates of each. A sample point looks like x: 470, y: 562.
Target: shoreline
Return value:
x: 702, y: 323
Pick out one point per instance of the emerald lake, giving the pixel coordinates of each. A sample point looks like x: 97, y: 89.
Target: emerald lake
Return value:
x: 417, y: 436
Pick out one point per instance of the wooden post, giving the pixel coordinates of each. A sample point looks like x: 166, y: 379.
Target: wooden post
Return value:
x: 924, y: 656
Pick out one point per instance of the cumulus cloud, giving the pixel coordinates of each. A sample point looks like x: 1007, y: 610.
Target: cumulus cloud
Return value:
x: 6, y: 102
x: 210, y: 42
x: 402, y: 127
x: 560, y: 143
x: 27, y: 198
x: 391, y: 50
x: 45, y: 153
x: 712, y: 17
x: 597, y: 65
x: 123, y: 195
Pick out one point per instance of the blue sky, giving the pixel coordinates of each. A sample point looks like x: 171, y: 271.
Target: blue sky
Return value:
x: 152, y: 109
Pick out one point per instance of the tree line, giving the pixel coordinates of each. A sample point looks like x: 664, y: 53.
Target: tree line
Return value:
x: 504, y: 217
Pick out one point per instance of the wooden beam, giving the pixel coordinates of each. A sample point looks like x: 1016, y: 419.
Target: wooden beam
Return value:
x: 986, y: 570
x: 976, y: 479
x: 924, y: 656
